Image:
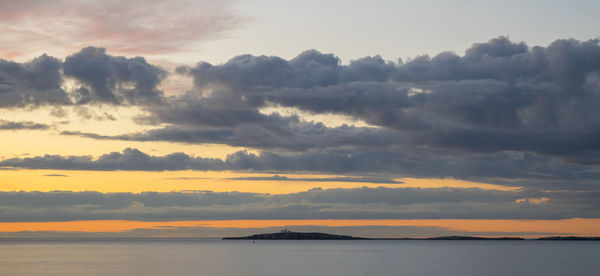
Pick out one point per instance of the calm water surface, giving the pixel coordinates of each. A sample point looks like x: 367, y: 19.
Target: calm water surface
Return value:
x: 217, y: 257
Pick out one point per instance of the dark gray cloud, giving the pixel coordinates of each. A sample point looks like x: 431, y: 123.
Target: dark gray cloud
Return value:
x: 104, y: 79
x: 365, y: 179
x: 22, y: 125
x: 275, y: 132
x: 499, y: 96
x: 33, y: 83
x: 129, y: 160
x: 309, y: 69
x: 56, y: 175
x: 359, y: 203
x: 113, y: 79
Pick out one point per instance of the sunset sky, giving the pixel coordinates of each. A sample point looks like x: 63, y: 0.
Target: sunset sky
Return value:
x: 205, y: 118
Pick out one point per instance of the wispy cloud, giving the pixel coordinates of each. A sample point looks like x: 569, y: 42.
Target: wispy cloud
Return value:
x: 187, y: 178
x: 56, y: 175
x: 22, y: 125
x: 125, y: 27
x: 364, y: 179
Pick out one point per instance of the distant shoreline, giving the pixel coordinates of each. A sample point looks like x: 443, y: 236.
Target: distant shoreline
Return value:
x: 325, y: 236
x: 179, y: 239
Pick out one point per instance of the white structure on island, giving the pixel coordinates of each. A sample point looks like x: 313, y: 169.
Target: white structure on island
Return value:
x: 285, y: 230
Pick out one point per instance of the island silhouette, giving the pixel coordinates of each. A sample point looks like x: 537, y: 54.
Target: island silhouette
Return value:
x: 286, y: 234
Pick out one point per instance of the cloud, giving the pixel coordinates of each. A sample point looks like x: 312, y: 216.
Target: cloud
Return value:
x: 504, y: 112
x: 446, y: 116
x: 86, y: 114
x: 512, y: 169
x: 187, y: 178
x: 381, y: 180
x: 56, y: 175
x: 273, y: 132
x: 105, y: 77
x: 310, y: 68
x: 130, y: 159
x: 358, y: 203
x: 132, y: 27
x: 499, y: 96
x: 32, y: 83
x: 93, y: 76
x: 10, y: 125
x: 529, y: 200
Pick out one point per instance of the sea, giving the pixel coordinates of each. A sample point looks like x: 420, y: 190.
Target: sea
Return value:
x: 298, y: 257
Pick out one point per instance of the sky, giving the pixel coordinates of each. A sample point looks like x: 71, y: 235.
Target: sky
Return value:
x: 203, y: 118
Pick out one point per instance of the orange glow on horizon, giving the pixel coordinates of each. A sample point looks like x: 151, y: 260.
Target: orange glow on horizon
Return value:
x: 577, y: 226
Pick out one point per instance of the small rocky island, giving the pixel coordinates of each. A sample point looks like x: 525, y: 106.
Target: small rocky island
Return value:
x: 289, y: 235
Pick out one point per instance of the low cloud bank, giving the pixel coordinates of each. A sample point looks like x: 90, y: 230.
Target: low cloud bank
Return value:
x: 358, y: 203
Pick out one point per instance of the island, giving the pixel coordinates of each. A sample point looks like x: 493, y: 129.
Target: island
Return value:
x: 289, y: 235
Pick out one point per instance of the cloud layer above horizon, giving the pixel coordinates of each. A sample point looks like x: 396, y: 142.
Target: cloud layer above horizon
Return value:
x: 357, y: 203
x: 502, y: 101
x: 504, y: 113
